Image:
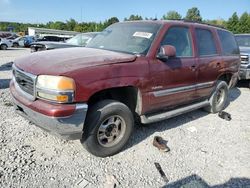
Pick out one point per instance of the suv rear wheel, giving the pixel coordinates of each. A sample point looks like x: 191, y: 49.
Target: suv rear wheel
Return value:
x: 4, y: 47
x: 108, y: 127
x: 218, y: 98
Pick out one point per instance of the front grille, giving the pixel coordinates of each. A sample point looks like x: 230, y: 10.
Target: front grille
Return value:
x: 244, y: 59
x: 24, y: 81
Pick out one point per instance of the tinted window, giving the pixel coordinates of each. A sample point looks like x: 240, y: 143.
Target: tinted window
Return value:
x: 228, y: 43
x: 205, y: 42
x: 179, y: 37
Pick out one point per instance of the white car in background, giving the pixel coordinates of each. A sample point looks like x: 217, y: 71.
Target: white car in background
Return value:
x: 5, y: 43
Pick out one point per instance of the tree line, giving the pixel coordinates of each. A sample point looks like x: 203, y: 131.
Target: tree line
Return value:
x: 236, y: 24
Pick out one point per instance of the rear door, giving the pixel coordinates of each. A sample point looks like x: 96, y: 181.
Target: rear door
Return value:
x: 230, y: 52
x: 209, y: 60
x: 174, y: 79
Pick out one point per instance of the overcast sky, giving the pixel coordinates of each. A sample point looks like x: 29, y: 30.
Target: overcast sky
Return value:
x: 42, y: 11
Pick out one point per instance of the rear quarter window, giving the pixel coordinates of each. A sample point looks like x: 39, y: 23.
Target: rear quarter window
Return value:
x: 228, y: 43
x: 205, y: 42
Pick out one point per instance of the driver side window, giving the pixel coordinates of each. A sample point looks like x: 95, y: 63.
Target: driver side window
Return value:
x: 179, y: 37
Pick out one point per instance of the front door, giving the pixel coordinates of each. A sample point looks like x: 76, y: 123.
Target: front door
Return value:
x: 174, y: 80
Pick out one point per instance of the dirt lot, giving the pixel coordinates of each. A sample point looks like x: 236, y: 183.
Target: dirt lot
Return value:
x: 205, y: 150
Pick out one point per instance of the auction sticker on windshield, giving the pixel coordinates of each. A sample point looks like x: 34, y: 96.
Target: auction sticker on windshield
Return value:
x: 143, y: 34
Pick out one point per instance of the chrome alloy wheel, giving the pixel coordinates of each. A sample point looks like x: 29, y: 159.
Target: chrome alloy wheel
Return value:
x: 111, y: 131
x: 220, y: 96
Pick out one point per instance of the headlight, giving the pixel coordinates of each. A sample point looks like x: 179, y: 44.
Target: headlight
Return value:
x: 55, y: 88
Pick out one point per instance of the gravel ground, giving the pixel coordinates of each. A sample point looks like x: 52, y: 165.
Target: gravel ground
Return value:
x: 205, y: 149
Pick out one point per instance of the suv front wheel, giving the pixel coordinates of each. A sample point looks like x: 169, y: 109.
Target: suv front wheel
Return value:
x: 108, y: 127
x: 218, y: 99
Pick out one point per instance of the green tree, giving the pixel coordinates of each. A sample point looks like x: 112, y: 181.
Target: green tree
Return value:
x: 57, y: 25
x: 109, y: 22
x: 233, y: 23
x: 219, y: 22
x: 112, y: 20
x: 71, y: 24
x: 133, y: 17
x: 172, y: 15
x: 193, y: 14
x: 244, y: 23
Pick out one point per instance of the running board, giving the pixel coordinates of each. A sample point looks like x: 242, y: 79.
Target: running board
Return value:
x: 169, y: 114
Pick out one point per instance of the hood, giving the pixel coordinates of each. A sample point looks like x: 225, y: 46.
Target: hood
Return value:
x: 62, y: 61
x: 245, y: 50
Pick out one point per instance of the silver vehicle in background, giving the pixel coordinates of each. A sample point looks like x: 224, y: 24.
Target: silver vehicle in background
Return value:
x: 5, y: 43
x: 23, y: 41
x: 244, y: 44
x: 79, y: 40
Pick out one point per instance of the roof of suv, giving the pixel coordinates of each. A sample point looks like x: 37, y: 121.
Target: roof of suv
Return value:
x: 243, y: 34
x: 180, y: 22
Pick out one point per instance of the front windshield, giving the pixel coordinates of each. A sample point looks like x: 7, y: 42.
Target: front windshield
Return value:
x: 128, y: 37
x: 243, y: 40
x: 80, y: 40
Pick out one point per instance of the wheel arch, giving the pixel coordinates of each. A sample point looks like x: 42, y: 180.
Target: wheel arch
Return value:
x: 226, y: 77
x: 129, y: 95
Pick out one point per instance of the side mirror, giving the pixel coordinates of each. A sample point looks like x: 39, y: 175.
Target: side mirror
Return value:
x: 166, y: 52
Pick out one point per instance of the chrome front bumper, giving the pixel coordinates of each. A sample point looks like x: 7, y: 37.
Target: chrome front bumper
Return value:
x: 70, y: 127
x: 244, y: 73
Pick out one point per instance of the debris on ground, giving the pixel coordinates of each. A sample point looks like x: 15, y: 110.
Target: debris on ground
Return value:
x: 82, y: 183
x: 161, y: 144
x: 111, y: 182
x: 7, y: 103
x: 192, y: 129
x: 163, y: 175
x: 225, y: 115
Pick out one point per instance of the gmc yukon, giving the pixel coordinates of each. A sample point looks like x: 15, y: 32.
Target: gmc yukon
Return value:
x: 144, y: 70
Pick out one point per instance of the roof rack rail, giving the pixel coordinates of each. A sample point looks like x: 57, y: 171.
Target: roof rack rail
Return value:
x: 191, y: 21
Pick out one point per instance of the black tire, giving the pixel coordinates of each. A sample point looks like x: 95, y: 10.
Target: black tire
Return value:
x: 218, y: 99
x: 4, y: 47
x: 39, y: 49
x: 97, y: 116
x: 15, y: 45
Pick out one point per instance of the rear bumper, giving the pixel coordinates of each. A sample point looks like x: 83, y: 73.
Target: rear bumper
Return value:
x: 67, y: 124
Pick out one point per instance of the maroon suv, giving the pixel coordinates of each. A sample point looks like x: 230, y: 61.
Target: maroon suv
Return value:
x: 144, y: 70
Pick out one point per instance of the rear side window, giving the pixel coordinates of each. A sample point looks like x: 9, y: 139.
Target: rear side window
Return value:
x: 205, y: 42
x: 228, y: 43
x: 179, y: 37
